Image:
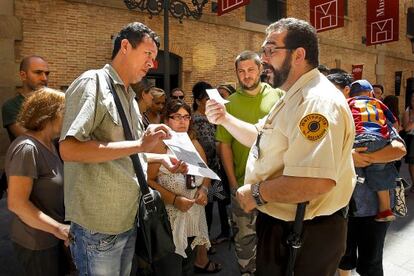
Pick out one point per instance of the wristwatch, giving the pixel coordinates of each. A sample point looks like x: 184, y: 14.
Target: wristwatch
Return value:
x: 256, y: 194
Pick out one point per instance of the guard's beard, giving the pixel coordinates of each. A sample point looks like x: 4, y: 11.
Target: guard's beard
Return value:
x: 278, y: 77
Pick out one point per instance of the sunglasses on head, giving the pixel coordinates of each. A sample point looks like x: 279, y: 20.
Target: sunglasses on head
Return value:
x: 177, y: 97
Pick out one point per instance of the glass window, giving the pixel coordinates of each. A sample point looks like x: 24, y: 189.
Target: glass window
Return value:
x: 265, y: 12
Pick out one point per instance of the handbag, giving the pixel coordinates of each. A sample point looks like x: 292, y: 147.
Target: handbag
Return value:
x: 400, y: 207
x: 154, y: 234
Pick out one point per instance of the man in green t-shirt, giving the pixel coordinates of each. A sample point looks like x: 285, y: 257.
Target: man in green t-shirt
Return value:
x: 34, y: 73
x: 251, y: 102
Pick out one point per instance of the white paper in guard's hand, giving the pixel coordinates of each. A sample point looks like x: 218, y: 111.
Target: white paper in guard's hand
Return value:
x: 215, y: 95
x: 182, y: 147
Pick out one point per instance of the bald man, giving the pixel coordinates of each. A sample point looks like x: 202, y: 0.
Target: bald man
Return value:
x: 34, y: 74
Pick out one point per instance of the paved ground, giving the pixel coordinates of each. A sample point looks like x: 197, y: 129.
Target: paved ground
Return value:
x: 398, y: 252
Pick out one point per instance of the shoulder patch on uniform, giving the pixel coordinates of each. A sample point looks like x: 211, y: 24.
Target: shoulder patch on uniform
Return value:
x: 314, y: 126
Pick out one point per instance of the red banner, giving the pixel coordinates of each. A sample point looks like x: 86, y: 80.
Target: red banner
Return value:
x: 357, y: 70
x: 225, y: 6
x: 326, y: 14
x: 382, y: 21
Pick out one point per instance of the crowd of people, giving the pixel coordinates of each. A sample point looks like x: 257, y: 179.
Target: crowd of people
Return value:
x: 295, y: 139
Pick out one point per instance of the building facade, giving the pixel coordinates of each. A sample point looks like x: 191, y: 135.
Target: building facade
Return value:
x: 76, y: 35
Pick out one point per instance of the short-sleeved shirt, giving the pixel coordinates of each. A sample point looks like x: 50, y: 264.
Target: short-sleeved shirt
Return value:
x: 309, y: 133
x: 28, y: 157
x: 10, y: 110
x: 371, y: 116
x: 102, y: 197
x: 250, y: 109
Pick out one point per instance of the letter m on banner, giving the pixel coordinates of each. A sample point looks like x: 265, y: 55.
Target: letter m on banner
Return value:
x: 225, y: 6
x: 327, y: 14
x: 382, y: 21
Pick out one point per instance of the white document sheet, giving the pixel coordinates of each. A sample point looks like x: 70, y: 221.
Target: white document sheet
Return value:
x: 215, y: 95
x: 182, y: 147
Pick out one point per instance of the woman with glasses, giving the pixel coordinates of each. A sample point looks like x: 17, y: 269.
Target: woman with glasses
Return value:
x: 184, y: 196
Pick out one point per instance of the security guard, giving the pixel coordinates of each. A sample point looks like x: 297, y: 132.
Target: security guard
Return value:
x: 300, y: 152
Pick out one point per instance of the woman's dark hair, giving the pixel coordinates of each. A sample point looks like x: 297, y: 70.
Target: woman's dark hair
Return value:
x: 341, y: 79
x: 380, y: 87
x: 228, y: 87
x: 199, y: 92
x: 175, y: 105
x: 391, y: 102
x: 135, y: 33
x: 323, y: 69
x: 172, y: 107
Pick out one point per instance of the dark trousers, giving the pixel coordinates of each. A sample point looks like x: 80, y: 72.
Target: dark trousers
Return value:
x: 224, y: 219
x: 365, y: 244
x: 174, y: 264
x: 40, y: 262
x: 323, y: 245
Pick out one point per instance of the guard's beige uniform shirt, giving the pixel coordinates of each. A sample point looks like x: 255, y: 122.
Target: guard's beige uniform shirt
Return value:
x: 309, y: 133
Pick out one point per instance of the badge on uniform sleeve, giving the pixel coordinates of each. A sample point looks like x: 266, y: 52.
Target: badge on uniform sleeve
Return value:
x: 314, y: 126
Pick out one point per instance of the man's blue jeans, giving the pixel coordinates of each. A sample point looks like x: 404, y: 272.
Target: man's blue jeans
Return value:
x: 102, y: 254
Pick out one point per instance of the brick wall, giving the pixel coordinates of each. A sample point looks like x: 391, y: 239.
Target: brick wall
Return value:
x: 75, y: 35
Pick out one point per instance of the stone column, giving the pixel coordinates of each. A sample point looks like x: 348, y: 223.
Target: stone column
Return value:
x: 10, y: 31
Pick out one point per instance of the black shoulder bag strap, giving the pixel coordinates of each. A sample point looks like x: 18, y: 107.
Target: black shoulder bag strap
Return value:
x: 146, y: 195
x: 294, y: 239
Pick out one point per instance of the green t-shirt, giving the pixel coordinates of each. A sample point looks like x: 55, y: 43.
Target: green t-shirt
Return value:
x: 249, y: 109
x: 10, y: 110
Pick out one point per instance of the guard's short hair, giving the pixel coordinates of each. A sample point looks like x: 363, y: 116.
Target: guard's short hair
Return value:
x: 299, y: 34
